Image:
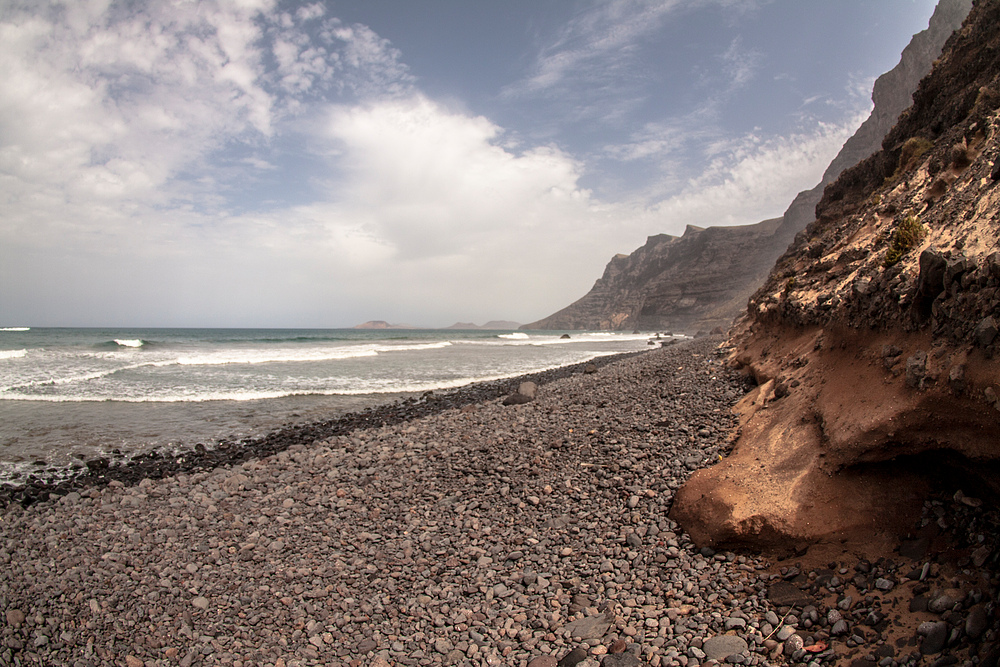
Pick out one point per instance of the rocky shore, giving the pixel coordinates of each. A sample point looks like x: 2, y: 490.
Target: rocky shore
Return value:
x: 156, y: 464
x: 481, y: 534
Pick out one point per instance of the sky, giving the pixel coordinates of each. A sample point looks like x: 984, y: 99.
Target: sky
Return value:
x: 259, y: 163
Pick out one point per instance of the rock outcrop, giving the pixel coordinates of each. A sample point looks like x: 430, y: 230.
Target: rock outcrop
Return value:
x: 702, y: 280
x: 874, y: 340
x: 698, y: 280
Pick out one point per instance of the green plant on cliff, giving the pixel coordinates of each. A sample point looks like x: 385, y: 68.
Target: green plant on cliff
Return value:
x: 906, y: 235
x: 913, y: 148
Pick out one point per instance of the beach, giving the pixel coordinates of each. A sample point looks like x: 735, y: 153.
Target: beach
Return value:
x: 68, y: 396
x: 477, y: 534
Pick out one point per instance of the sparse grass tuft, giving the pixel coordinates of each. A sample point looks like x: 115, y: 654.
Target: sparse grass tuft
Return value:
x: 913, y: 148
x: 906, y: 236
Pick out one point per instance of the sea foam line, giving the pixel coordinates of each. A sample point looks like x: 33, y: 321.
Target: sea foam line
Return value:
x: 13, y: 392
x: 362, y: 387
x: 12, y: 354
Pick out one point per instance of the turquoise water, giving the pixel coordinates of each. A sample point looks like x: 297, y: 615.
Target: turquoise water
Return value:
x: 71, y: 393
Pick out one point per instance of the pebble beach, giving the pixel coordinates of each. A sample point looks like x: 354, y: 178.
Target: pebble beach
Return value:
x: 486, y: 534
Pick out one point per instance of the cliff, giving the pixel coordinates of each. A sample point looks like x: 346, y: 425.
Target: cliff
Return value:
x: 874, y: 341
x: 703, y: 279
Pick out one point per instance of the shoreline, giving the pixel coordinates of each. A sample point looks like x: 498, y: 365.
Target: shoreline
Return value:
x: 483, y: 535
x: 157, y: 463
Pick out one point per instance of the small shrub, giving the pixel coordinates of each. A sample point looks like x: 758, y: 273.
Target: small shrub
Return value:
x: 913, y: 148
x: 906, y: 236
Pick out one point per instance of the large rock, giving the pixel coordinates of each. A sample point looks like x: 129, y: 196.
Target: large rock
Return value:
x: 721, y: 647
x: 591, y: 627
x: 525, y: 393
x: 849, y: 453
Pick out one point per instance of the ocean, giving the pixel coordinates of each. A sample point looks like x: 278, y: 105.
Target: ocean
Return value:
x: 72, y: 394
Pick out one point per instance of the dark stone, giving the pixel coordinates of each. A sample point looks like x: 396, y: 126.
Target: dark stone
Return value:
x: 956, y: 379
x: 891, y: 351
x: 956, y: 268
x: 930, y: 282
x: 993, y: 260
x: 945, y: 661
x: 919, y: 603
x: 977, y: 622
x: 935, y: 636
x: 985, y: 332
x: 989, y: 654
x: 916, y: 369
x: 98, y: 464
x: 575, y: 656
x: 517, y: 399
x: 785, y: 594
x: 620, y: 660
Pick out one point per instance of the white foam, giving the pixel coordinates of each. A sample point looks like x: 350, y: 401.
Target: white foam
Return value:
x: 416, y: 346
x: 272, y: 356
x: 12, y: 354
x: 15, y: 328
x: 517, y: 335
x: 292, y: 355
x: 130, y: 342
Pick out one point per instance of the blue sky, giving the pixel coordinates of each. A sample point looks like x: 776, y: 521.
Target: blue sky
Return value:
x: 264, y: 163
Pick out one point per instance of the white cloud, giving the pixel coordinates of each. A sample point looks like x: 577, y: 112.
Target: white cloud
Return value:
x: 600, y: 39
x: 594, y: 68
x: 754, y: 179
x: 116, y: 162
x: 429, y: 198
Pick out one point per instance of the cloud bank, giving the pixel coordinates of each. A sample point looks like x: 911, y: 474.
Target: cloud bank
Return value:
x: 232, y: 163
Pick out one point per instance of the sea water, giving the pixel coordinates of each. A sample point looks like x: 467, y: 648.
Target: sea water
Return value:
x: 70, y: 394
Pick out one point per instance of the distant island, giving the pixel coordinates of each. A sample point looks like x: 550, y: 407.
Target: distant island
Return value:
x: 382, y: 324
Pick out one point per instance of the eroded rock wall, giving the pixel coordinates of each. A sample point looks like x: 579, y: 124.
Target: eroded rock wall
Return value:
x: 874, y: 340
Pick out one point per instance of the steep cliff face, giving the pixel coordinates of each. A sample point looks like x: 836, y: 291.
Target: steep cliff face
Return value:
x: 875, y: 338
x: 702, y: 279
x: 643, y: 290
